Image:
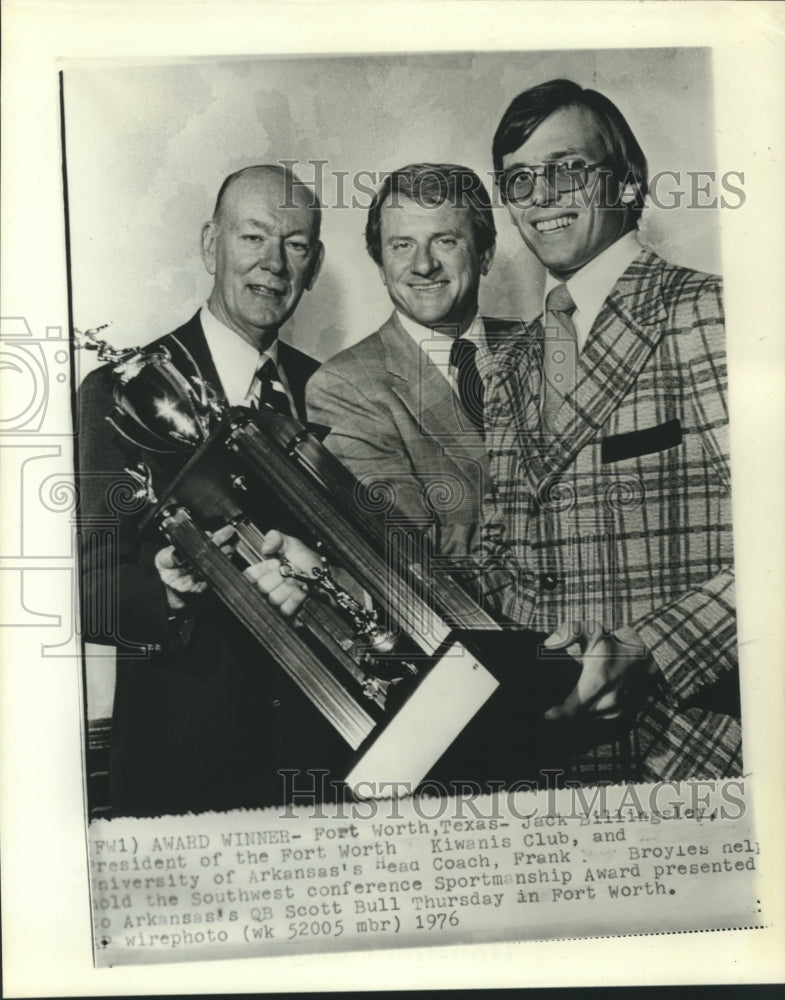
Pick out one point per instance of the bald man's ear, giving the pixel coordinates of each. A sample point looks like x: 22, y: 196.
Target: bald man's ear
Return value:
x: 316, y: 266
x: 209, y: 230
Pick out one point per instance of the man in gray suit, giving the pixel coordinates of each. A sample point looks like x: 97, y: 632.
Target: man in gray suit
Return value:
x: 405, y: 404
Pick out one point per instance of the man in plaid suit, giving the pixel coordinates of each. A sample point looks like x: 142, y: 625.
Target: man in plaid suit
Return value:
x: 608, y: 520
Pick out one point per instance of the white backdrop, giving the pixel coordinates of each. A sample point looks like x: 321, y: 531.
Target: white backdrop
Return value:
x: 148, y: 146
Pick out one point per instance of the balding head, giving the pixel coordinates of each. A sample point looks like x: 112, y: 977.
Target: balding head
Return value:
x: 262, y: 246
x: 281, y: 180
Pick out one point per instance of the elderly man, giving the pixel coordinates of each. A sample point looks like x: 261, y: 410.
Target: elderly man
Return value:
x: 405, y: 404
x: 200, y: 717
x: 606, y: 425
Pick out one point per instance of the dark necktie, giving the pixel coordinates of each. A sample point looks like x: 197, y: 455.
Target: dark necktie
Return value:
x: 267, y: 389
x: 560, y: 352
x: 471, y: 391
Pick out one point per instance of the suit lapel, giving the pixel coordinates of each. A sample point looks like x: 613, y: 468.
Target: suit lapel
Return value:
x: 425, y: 392
x: 298, y: 368
x: 189, y: 339
x: 620, y: 343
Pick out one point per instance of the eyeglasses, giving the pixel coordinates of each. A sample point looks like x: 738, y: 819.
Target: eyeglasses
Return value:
x: 517, y: 184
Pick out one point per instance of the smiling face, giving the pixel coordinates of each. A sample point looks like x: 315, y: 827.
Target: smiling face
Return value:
x: 564, y: 230
x: 264, y: 256
x: 430, y: 263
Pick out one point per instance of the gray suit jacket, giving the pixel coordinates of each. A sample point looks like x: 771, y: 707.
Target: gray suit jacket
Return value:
x: 398, y: 426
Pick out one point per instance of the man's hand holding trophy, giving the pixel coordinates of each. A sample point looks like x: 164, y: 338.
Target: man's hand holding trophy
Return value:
x: 267, y: 521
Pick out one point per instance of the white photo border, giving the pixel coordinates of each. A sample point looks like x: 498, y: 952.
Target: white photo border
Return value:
x: 46, y: 920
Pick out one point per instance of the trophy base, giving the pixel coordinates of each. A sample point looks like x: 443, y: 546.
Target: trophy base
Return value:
x: 445, y: 702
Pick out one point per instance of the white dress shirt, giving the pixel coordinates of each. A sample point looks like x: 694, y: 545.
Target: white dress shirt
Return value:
x: 436, y: 345
x: 236, y: 360
x: 592, y: 285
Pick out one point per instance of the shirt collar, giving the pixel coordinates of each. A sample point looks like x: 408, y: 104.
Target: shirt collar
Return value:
x: 592, y: 285
x: 417, y: 331
x: 435, y: 344
x: 235, y: 359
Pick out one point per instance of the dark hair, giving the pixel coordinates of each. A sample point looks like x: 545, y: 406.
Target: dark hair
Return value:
x: 291, y: 180
x: 431, y: 185
x: 530, y: 109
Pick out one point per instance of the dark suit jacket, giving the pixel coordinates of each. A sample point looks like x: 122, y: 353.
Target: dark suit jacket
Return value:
x: 396, y: 421
x: 201, y: 721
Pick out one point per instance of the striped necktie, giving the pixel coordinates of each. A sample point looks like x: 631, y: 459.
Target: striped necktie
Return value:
x: 268, y: 392
x: 560, y: 352
x: 471, y: 391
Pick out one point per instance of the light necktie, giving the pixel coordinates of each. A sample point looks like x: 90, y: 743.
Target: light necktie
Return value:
x: 560, y: 352
x: 471, y: 391
x: 268, y: 392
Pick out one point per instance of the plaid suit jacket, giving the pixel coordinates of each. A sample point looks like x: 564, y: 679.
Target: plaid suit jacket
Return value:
x: 623, y: 513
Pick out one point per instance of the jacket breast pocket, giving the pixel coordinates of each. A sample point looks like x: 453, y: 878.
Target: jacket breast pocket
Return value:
x: 648, y: 441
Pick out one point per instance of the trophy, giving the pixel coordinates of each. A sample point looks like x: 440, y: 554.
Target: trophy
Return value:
x: 398, y: 680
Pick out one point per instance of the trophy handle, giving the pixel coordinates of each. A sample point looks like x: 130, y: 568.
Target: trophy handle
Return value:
x: 143, y: 477
x: 90, y: 341
x: 208, y: 404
